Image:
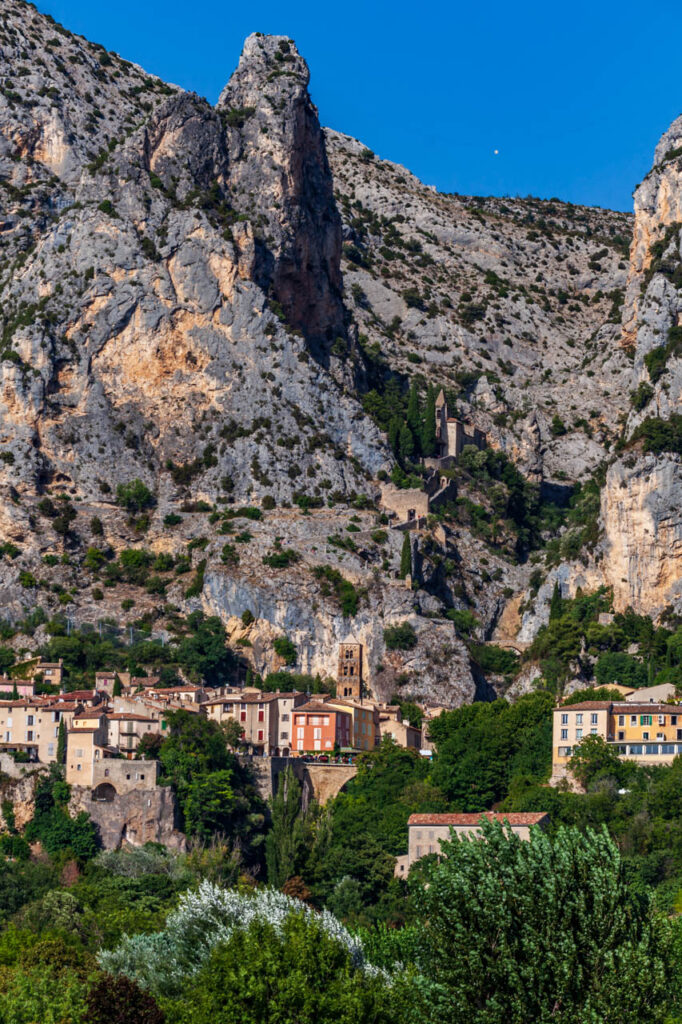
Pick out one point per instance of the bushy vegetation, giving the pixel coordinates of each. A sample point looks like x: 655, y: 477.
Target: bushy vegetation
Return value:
x: 575, y: 642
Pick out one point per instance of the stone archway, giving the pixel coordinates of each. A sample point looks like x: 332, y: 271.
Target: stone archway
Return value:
x: 104, y: 793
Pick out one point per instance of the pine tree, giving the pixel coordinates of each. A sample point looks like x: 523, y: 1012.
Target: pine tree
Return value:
x: 285, y: 840
x: 429, y: 425
x: 555, y: 603
x: 406, y: 557
x: 61, y: 742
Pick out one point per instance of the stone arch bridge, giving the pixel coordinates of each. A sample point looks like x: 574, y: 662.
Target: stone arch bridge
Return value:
x: 320, y: 780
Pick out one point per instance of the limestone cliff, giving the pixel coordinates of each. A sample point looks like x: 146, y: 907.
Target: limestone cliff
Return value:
x: 201, y: 298
x: 640, y: 554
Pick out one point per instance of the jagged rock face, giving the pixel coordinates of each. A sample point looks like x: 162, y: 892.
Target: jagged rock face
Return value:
x: 642, y: 548
x: 137, y: 327
x: 280, y: 177
x: 511, y: 304
x: 640, y: 555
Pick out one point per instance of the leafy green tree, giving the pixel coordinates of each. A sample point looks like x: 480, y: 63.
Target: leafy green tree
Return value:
x: 482, y: 746
x: 592, y: 757
x: 135, y: 496
x: 209, y: 804
x: 286, y: 649
x: 402, y: 637
x: 406, y: 557
x: 233, y: 733
x: 285, y: 840
x: 545, y: 930
x: 303, y: 974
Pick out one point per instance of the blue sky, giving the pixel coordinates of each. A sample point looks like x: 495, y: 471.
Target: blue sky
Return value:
x: 574, y: 96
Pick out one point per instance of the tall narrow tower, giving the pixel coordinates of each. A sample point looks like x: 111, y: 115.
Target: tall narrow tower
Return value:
x: 349, y: 676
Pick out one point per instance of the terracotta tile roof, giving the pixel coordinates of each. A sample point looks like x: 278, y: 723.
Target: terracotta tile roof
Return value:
x: 630, y: 707
x: 126, y: 716
x: 81, y: 694
x: 621, y: 707
x: 513, y: 818
x: 174, y: 689
x: 317, y: 707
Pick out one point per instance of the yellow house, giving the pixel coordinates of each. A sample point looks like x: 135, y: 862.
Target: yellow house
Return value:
x: 365, y: 722
x: 649, y: 733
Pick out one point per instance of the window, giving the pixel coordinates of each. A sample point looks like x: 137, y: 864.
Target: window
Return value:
x: 621, y: 735
x: 328, y: 744
x: 260, y: 735
x: 645, y: 735
x: 29, y: 735
x: 317, y: 734
x: 78, y: 767
x: 564, y: 734
x: 645, y: 719
x: 261, y: 716
x: 325, y: 720
x: 284, y: 735
x: 300, y: 719
x: 593, y: 730
x: 621, y: 719
x: 661, y: 719
x: 79, y: 753
x: 578, y: 734
x: 299, y: 744
x: 106, y: 771
x: 50, y: 750
x: 579, y: 718
x: 242, y: 715
x: 633, y: 719
x: 673, y: 719
x: 285, y: 718
x: 30, y: 719
x: 564, y: 751
x: 564, y: 719
x: 593, y: 718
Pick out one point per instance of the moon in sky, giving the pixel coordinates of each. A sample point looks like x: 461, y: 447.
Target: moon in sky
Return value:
x: 496, y: 151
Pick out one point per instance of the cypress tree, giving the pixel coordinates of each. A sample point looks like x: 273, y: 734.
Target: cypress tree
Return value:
x: 429, y: 425
x: 116, y: 692
x: 394, y: 434
x: 15, y: 692
x: 413, y: 415
x: 284, y: 843
x: 61, y: 742
x: 406, y: 443
x: 406, y: 557
x: 555, y: 603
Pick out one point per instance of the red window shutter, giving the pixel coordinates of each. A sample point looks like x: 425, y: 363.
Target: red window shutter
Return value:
x: 261, y: 716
